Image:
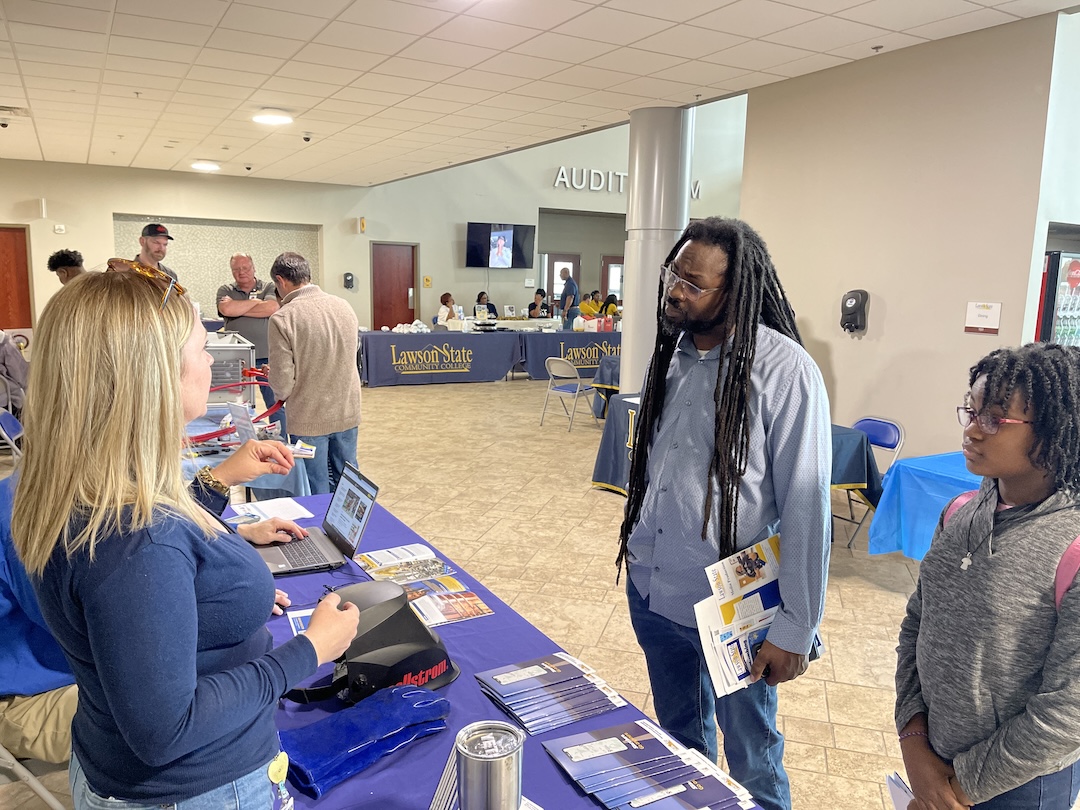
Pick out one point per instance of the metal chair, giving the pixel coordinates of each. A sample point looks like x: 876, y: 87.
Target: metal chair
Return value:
x: 559, y: 369
x: 884, y: 434
x: 13, y: 766
x: 11, y: 430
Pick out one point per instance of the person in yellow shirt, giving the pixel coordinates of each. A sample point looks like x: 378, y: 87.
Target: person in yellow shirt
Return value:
x: 590, y: 304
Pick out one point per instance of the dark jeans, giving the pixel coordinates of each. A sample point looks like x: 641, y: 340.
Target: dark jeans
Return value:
x: 270, y: 399
x: 332, y: 452
x: 1055, y: 791
x: 568, y: 318
x: 686, y: 705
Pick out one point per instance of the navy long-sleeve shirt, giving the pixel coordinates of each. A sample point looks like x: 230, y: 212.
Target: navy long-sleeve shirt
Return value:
x: 178, y: 679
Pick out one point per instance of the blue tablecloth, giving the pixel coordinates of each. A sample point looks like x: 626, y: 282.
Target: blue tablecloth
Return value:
x: 388, y: 358
x: 605, y: 383
x: 915, y: 494
x: 407, y: 780
x: 583, y: 349
x: 854, y: 466
x: 265, y: 486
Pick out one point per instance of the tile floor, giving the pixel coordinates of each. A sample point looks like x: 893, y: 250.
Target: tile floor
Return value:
x: 468, y: 467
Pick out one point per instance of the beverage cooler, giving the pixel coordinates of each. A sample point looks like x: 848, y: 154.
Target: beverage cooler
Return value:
x: 1059, y: 303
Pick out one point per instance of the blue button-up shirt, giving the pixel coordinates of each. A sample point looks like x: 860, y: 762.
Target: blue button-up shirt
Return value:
x: 785, y: 487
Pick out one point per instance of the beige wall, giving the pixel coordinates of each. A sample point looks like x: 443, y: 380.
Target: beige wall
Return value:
x: 914, y: 175
x: 591, y: 236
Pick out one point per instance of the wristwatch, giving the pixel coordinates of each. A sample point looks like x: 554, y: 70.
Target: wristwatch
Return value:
x: 206, y: 477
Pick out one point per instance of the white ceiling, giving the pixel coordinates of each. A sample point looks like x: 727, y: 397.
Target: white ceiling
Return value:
x: 392, y: 88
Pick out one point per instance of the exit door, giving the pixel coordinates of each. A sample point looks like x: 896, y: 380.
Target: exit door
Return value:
x: 393, y: 284
x: 14, y: 280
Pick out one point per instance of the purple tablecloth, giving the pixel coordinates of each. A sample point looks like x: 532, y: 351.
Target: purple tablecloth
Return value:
x: 406, y: 780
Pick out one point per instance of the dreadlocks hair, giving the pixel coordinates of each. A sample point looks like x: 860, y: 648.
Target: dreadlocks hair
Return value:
x: 753, y: 295
x: 1047, y: 377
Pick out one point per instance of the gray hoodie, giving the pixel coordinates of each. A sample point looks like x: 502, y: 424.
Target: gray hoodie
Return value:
x: 984, y: 652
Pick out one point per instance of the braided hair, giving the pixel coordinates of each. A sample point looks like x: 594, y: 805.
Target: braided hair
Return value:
x: 1047, y: 377
x: 753, y: 295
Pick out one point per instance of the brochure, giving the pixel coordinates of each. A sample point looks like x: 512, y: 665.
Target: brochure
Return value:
x: 899, y: 791
x: 390, y: 556
x: 298, y: 620
x: 412, y: 571
x: 445, y: 608
x: 286, y: 508
x: 414, y: 590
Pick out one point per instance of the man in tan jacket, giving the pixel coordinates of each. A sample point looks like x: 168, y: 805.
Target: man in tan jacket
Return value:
x: 313, y: 342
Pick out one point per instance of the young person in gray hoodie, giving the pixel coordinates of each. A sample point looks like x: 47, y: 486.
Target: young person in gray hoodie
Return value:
x: 988, y: 670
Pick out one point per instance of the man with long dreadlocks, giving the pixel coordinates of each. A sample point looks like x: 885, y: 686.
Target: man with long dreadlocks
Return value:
x: 733, y: 444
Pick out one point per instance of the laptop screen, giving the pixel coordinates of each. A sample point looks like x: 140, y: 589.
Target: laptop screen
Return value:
x: 351, y: 507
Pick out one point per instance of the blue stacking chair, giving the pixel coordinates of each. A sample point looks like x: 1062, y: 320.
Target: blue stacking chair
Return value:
x: 884, y: 434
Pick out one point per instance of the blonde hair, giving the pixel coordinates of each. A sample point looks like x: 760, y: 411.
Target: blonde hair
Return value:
x: 103, y: 417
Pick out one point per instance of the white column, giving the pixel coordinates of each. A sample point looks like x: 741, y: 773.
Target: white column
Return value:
x: 658, y: 209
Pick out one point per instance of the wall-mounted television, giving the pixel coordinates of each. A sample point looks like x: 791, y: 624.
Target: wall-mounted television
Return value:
x: 498, y: 246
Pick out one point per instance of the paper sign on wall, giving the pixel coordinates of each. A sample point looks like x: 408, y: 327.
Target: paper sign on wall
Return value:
x: 982, y: 317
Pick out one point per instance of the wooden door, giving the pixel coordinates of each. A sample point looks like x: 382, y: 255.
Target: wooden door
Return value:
x: 611, y: 276
x: 14, y: 280
x: 393, y: 284
x: 555, y: 263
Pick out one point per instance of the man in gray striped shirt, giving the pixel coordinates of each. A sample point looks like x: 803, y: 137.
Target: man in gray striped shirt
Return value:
x: 733, y: 445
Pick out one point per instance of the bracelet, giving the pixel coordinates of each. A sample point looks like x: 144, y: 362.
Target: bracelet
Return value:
x: 907, y: 734
x: 206, y: 477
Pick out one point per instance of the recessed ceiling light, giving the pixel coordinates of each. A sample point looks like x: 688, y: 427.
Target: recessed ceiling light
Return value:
x: 204, y: 166
x: 271, y: 116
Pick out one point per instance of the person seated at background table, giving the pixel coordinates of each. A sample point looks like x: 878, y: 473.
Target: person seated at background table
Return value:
x: 67, y: 264
x: 482, y: 302
x: 609, y: 307
x: 539, y: 306
x: 987, y: 694
x: 446, y: 310
x: 590, y: 304
x: 159, y: 609
x: 14, y: 374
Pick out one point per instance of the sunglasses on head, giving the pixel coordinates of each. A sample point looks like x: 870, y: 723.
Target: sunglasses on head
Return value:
x: 152, y: 273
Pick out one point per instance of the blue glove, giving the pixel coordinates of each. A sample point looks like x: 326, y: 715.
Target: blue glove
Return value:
x: 330, y: 745
x: 364, y: 758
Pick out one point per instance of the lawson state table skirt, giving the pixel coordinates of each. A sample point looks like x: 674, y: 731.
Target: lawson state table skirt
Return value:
x: 584, y: 349
x: 915, y: 494
x: 854, y: 466
x: 388, y: 358
x: 406, y: 780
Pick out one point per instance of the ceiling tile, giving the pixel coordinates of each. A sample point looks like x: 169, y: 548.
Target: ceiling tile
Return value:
x: 361, y: 38
x: 41, y: 53
x: 395, y: 16
x: 134, y: 65
x: 826, y: 34
x: 151, y: 31
x: 295, y: 103
x: 688, y: 41
x: 824, y: 6
x: 214, y: 89
x: 591, y: 77
x: 286, y: 85
x: 550, y: 90
x: 809, y: 64
x: 757, y: 55
x: 754, y: 18
x: 327, y: 9
x: 431, y: 105
x: 608, y: 25
x: 74, y: 72
x: 253, y: 63
x: 415, y: 69
x: 653, y: 88
x: 392, y: 84
x: 676, y: 12
x: 567, y: 49
x: 610, y: 100
x: 327, y: 116
x: 516, y: 64
x: 749, y: 81
x: 164, y: 51
x: 271, y: 22
x: 56, y: 38
x: 483, y: 80
x: 485, y: 33
x: 247, y: 42
x: 318, y: 73
x: 338, y: 57
x: 201, y: 100
x: 897, y: 16
x: 348, y: 107
x: 242, y: 78
x: 633, y: 61
x: 1033, y: 8
x: 466, y: 95
x: 487, y: 113
x: 512, y: 101
x: 529, y: 13
x: 514, y: 128
x: 206, y: 12
x: 369, y: 96
x: 965, y: 23
x: 444, y: 52
x: 699, y: 73
x: 48, y: 14
x: 888, y: 42
x: 111, y: 93
x: 545, y: 120
x: 64, y: 85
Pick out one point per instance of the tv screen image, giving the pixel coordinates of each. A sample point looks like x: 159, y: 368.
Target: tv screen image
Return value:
x: 499, y: 246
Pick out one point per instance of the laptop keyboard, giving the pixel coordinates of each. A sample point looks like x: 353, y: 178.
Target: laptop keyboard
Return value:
x: 302, y: 552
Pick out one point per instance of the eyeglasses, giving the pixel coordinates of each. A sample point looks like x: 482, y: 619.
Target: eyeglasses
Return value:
x: 987, y: 423
x: 672, y: 279
x: 152, y: 273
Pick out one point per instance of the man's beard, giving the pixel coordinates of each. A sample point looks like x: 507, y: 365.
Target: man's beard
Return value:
x: 673, y: 329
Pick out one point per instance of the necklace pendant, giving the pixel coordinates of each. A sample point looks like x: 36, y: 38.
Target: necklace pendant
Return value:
x: 965, y: 563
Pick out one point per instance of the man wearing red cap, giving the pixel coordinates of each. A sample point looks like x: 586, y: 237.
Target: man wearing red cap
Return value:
x: 153, y: 245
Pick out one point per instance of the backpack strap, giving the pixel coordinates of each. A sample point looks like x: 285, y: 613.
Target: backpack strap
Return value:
x: 1067, y: 570
x: 956, y: 503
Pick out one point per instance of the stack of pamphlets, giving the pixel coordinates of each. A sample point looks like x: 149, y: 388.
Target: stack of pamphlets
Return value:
x: 435, y: 596
x: 735, y: 620
x: 550, y: 692
x: 446, y: 794
x: 638, y: 765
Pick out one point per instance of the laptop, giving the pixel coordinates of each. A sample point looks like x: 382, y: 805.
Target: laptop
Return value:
x: 337, y: 541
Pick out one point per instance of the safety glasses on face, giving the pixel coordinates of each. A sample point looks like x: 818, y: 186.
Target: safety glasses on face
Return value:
x: 672, y: 279
x: 988, y: 423
x: 152, y: 273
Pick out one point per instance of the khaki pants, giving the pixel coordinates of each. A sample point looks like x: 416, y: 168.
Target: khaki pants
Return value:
x: 39, y: 726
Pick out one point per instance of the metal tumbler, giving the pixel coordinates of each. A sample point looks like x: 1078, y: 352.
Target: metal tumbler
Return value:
x: 489, y: 766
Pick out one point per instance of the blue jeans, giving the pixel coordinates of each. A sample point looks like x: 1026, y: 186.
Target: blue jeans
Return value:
x: 251, y: 792
x: 332, y: 452
x: 686, y: 705
x: 269, y: 398
x: 1055, y: 791
x: 568, y: 318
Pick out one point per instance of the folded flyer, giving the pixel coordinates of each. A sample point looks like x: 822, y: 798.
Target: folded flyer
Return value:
x: 445, y: 608
x: 390, y: 556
